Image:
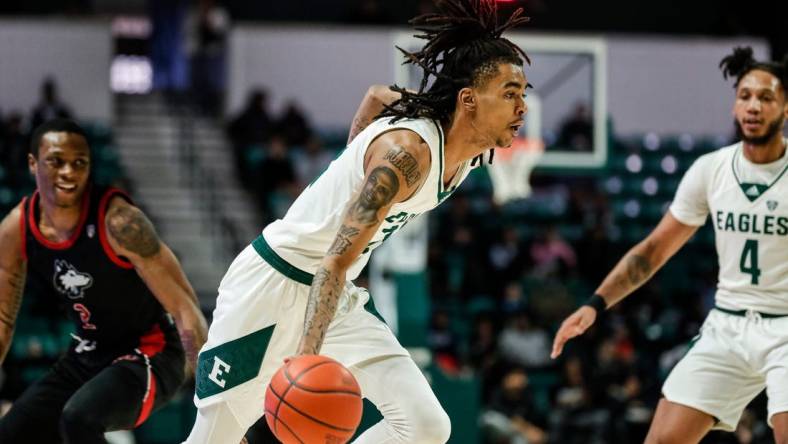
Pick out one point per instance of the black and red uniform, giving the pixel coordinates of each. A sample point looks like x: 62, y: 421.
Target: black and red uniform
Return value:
x: 126, y: 358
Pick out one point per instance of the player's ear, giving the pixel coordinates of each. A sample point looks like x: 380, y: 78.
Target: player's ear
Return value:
x: 32, y: 164
x: 467, y: 99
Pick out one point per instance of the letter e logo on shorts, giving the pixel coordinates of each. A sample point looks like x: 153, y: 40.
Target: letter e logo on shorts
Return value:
x: 219, y: 368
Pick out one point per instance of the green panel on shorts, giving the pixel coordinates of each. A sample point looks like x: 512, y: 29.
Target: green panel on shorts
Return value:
x: 279, y: 264
x: 232, y: 363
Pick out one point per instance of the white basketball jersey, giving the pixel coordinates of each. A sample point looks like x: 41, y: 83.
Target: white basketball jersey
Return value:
x: 306, y: 232
x: 748, y: 205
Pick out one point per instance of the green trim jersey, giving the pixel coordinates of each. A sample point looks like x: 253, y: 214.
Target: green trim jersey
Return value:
x: 748, y: 205
x: 303, y: 236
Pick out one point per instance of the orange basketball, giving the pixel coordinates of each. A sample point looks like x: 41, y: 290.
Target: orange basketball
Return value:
x: 313, y: 399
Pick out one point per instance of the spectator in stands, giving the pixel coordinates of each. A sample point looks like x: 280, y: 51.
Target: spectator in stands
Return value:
x: 49, y: 107
x: 444, y: 342
x: 511, y: 416
x: 513, y: 301
x: 276, y: 179
x: 212, y: 24
x: 460, y: 263
x: 577, y: 417
x: 551, y: 254
x: 523, y: 343
x: 507, y: 257
x: 577, y: 130
x: 13, y: 152
x: 293, y: 125
x: 253, y: 126
x: 483, y: 348
x: 170, y: 67
x: 311, y: 161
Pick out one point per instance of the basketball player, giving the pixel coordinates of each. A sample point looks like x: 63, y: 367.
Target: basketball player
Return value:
x: 103, y: 262
x: 743, y: 344
x: 290, y: 292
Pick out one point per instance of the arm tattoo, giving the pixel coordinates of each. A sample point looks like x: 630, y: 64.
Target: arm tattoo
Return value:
x: 358, y: 125
x: 320, y: 309
x: 405, y: 163
x: 342, y: 241
x: 134, y: 231
x: 379, y: 189
x: 638, y: 266
x: 638, y: 269
x: 9, y: 308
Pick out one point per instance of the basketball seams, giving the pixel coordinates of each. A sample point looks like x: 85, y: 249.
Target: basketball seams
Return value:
x: 303, y: 372
x: 327, y: 392
x: 282, y: 400
x: 286, y: 372
x: 277, y: 420
x: 294, y: 381
x: 291, y: 378
x: 292, y: 432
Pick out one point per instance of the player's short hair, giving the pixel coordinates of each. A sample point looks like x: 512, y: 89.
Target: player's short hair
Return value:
x: 741, y: 62
x: 54, y: 126
x: 464, y: 48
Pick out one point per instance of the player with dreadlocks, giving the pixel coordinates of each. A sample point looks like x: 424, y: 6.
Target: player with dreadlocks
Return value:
x: 742, y: 346
x: 292, y: 287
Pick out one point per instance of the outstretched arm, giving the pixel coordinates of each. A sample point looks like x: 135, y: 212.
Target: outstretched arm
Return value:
x: 372, y: 104
x: 632, y: 271
x: 132, y: 235
x: 390, y: 177
x: 13, y: 269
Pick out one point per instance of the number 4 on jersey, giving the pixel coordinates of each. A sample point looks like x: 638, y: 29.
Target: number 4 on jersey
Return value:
x: 750, y: 256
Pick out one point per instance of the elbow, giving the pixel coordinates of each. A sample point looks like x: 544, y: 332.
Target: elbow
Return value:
x: 336, y: 265
x: 379, y: 93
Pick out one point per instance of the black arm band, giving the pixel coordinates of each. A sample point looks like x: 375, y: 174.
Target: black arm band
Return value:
x: 597, y: 303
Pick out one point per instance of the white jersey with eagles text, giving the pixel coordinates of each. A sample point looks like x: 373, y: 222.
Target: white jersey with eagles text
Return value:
x: 303, y: 236
x: 748, y: 205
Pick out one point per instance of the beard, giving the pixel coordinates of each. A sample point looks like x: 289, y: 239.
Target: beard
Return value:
x: 774, y: 128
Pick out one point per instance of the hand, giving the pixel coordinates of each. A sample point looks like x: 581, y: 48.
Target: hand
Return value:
x: 575, y: 325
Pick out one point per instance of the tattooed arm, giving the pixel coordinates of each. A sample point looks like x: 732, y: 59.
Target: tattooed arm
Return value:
x: 13, y: 269
x: 396, y: 165
x: 373, y: 103
x: 632, y: 271
x: 132, y: 235
x: 644, y: 259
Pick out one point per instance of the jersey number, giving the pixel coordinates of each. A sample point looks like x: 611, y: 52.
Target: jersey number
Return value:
x: 84, y: 316
x: 749, y: 260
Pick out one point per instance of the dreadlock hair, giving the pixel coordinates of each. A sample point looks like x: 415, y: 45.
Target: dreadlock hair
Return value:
x: 741, y: 62
x: 464, y: 47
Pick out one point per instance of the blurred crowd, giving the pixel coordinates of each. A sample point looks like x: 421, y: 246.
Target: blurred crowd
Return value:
x: 276, y: 156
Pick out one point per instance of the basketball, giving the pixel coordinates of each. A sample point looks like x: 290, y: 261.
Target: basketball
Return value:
x: 313, y: 399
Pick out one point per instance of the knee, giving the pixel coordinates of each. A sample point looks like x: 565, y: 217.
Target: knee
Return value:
x: 431, y: 427
x: 664, y: 437
x: 76, y: 421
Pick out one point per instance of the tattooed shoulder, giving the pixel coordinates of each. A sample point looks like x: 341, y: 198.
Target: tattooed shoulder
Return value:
x: 132, y: 230
x: 380, y: 187
x: 405, y: 162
